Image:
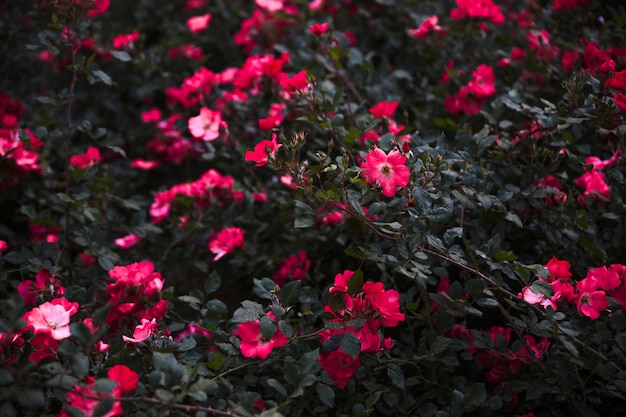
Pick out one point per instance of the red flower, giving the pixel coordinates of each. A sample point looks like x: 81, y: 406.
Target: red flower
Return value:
x: 559, y: 269
x: 264, y: 151
x: 88, y: 159
x: 426, y: 26
x: 318, y: 29
x: 594, y: 184
x: 477, y: 9
x: 339, y: 366
x: 386, y: 170
x: 386, y: 303
x: 3, y: 246
x: 294, y: 268
x: 226, y: 241
x: 384, y: 109
x: 126, y: 378
x: 620, y: 101
x: 253, y: 344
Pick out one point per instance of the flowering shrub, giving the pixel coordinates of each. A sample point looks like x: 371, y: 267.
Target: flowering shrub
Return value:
x: 327, y: 207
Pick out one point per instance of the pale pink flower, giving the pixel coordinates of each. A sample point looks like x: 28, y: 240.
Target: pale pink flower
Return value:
x: 142, y: 331
x: 206, y: 125
x: 52, y: 317
x: 199, y: 23
x: 270, y: 5
x: 127, y: 241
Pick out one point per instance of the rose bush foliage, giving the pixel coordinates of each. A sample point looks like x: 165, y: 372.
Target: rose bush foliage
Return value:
x: 324, y: 207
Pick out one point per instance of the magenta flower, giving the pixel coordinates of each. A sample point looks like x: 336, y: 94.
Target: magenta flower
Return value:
x: 263, y: 152
x: 199, y: 23
x: 226, y: 241
x: 253, y: 344
x: 386, y: 170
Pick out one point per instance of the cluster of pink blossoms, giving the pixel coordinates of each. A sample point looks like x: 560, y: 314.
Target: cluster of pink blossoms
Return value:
x: 471, y: 97
x: 590, y: 294
x: 384, y: 111
x: 377, y: 308
x: 14, y: 146
x: 254, y: 344
x: 132, y: 289
x: 477, y: 9
x: 293, y: 268
x: 593, y: 182
x: 87, y: 397
x: 500, y: 364
x: 211, y: 188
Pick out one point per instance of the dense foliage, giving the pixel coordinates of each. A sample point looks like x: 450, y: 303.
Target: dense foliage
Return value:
x: 327, y: 207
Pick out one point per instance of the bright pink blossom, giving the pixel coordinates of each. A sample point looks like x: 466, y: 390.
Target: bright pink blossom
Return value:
x: 384, y: 109
x: 226, y: 241
x: 142, y: 331
x: 386, y: 170
x: 127, y: 241
x: 199, y: 23
x: 591, y: 300
x: 293, y: 268
x: 264, y: 152
x: 206, y: 125
x: 559, y: 269
x: 341, y: 282
x: 253, y: 344
x: 594, y: 185
x: 3, y: 246
x: 122, y: 40
x: 144, y: 164
x: 270, y: 5
x: 428, y: 25
x: 318, y: 29
x: 477, y: 9
x: 385, y: 302
x: 88, y: 159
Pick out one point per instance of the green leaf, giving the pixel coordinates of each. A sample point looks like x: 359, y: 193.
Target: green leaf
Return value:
x: 475, y: 395
x: 263, y: 288
x: 350, y: 344
x: 268, y: 327
x: 212, y: 283
x: 487, y: 302
x: 120, y: 55
x: 81, y: 333
x: 5, y: 377
x: 80, y: 365
x: 456, y: 403
x: 31, y: 398
x: 166, y: 363
x: 512, y: 217
x: 103, y: 407
x: 308, y: 362
x: 303, y: 222
x: 100, y: 76
x: 396, y: 374
x: 278, y: 387
x: 290, y: 292
x: 355, y: 282
x: 326, y: 394
x: 385, y: 141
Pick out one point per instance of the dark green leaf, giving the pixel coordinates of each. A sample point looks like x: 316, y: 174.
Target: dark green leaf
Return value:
x: 31, y: 398
x: 350, y: 344
x: 268, y: 327
x: 396, y: 374
x: 326, y: 394
x: 355, y: 282
x: 289, y: 293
